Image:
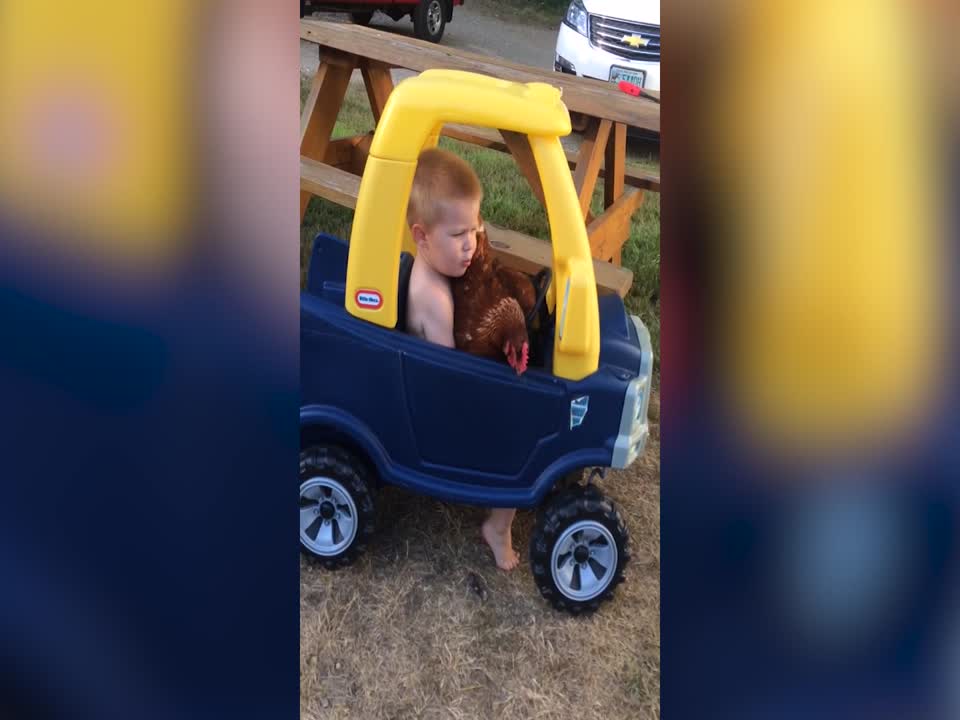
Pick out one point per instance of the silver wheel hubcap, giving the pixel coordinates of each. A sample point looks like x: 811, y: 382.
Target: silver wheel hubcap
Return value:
x: 434, y: 17
x: 584, y: 560
x: 328, y: 516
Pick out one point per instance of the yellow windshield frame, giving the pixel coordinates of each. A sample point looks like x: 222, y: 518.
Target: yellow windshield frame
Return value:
x: 414, y: 114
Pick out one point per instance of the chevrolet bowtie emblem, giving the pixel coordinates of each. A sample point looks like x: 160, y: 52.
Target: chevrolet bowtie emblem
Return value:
x: 635, y: 41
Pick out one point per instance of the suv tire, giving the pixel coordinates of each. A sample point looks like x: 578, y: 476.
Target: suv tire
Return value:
x: 429, y: 20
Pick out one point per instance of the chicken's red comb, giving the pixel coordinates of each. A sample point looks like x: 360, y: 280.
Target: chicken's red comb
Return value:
x: 524, y: 357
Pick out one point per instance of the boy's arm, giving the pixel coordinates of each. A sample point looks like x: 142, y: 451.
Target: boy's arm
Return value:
x: 436, y: 321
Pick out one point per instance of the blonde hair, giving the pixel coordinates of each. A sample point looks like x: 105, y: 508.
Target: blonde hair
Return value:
x: 440, y: 176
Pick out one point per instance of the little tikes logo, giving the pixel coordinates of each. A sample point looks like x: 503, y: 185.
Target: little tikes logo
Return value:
x: 369, y: 299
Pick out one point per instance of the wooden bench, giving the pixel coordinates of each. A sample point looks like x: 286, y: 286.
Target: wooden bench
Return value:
x: 634, y: 176
x: 523, y: 252
x: 602, y: 153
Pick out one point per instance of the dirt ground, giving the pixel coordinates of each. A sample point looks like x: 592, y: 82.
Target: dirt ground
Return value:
x: 425, y: 626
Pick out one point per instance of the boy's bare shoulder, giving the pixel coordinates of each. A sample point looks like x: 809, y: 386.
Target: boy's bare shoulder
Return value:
x: 430, y: 308
x: 429, y: 291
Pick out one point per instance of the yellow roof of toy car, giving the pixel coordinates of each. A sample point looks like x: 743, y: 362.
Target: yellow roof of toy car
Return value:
x: 454, y: 96
x: 412, y: 120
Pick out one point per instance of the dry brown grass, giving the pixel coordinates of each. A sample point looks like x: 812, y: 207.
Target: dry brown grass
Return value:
x: 425, y: 626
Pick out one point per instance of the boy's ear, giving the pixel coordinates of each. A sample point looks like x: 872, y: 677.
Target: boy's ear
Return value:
x: 419, y: 233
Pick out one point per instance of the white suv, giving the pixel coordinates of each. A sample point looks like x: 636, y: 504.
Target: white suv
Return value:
x: 611, y: 40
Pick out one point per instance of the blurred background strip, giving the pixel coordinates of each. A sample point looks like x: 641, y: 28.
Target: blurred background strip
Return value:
x: 810, y: 395
x: 148, y: 360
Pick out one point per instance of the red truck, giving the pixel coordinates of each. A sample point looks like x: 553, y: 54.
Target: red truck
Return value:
x: 430, y: 17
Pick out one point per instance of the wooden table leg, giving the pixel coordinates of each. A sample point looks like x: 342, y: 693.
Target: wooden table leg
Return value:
x: 523, y: 154
x: 589, y: 159
x: 320, y: 115
x: 609, y: 231
x: 609, y: 240
x: 615, y: 163
x: 379, y: 84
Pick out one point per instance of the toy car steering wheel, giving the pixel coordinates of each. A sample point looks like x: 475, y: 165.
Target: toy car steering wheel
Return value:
x: 541, y: 283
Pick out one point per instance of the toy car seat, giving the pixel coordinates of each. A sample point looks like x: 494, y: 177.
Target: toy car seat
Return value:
x: 403, y: 285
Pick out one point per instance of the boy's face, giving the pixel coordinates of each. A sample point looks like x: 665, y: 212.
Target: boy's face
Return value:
x: 449, y: 244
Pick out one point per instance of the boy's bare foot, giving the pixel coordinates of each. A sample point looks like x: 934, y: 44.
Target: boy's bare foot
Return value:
x: 501, y: 543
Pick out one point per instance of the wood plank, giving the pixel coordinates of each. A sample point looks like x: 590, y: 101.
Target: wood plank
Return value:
x: 319, y: 118
x: 317, y: 126
x: 592, y: 97
x: 616, y: 158
x: 529, y: 254
x: 514, y: 249
x: 340, y: 152
x: 379, y: 85
x: 634, y: 176
x: 483, y: 137
x: 337, y: 56
x: 588, y: 161
x: 522, y: 152
x: 361, y: 152
x: 311, y: 102
x: 609, y: 231
x: 328, y: 182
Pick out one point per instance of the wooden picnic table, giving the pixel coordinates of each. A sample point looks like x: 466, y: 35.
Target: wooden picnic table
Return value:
x: 332, y: 168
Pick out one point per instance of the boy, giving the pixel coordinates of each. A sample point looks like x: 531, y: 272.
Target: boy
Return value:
x: 443, y: 215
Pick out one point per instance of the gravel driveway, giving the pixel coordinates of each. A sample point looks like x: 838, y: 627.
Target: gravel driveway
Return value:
x: 474, y: 28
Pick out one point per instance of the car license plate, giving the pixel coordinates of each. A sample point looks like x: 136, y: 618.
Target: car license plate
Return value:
x: 632, y: 76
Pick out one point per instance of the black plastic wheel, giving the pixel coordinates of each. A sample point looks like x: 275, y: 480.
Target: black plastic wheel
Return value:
x: 429, y: 20
x: 564, y: 484
x: 578, y: 550
x: 361, y: 18
x: 336, y: 506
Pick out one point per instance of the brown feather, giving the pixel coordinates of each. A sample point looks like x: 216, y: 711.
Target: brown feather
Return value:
x: 489, y: 305
x: 519, y: 286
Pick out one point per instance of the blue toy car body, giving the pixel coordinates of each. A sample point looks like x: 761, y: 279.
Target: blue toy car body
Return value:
x: 465, y: 429
x: 381, y: 406
x: 458, y: 427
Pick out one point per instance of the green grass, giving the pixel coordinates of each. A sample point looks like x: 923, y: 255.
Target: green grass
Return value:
x: 509, y: 202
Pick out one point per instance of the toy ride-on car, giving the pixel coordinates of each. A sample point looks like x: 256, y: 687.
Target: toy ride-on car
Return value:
x: 379, y: 405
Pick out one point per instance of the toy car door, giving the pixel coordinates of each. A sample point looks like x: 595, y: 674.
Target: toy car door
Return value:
x: 473, y: 414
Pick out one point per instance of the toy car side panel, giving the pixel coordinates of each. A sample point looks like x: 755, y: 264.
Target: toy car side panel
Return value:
x: 483, y: 432
x: 619, y: 347
x: 340, y: 367
x: 328, y: 262
x: 451, y: 425
x: 479, y: 416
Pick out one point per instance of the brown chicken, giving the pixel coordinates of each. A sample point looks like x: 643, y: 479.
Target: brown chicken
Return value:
x: 490, y: 304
